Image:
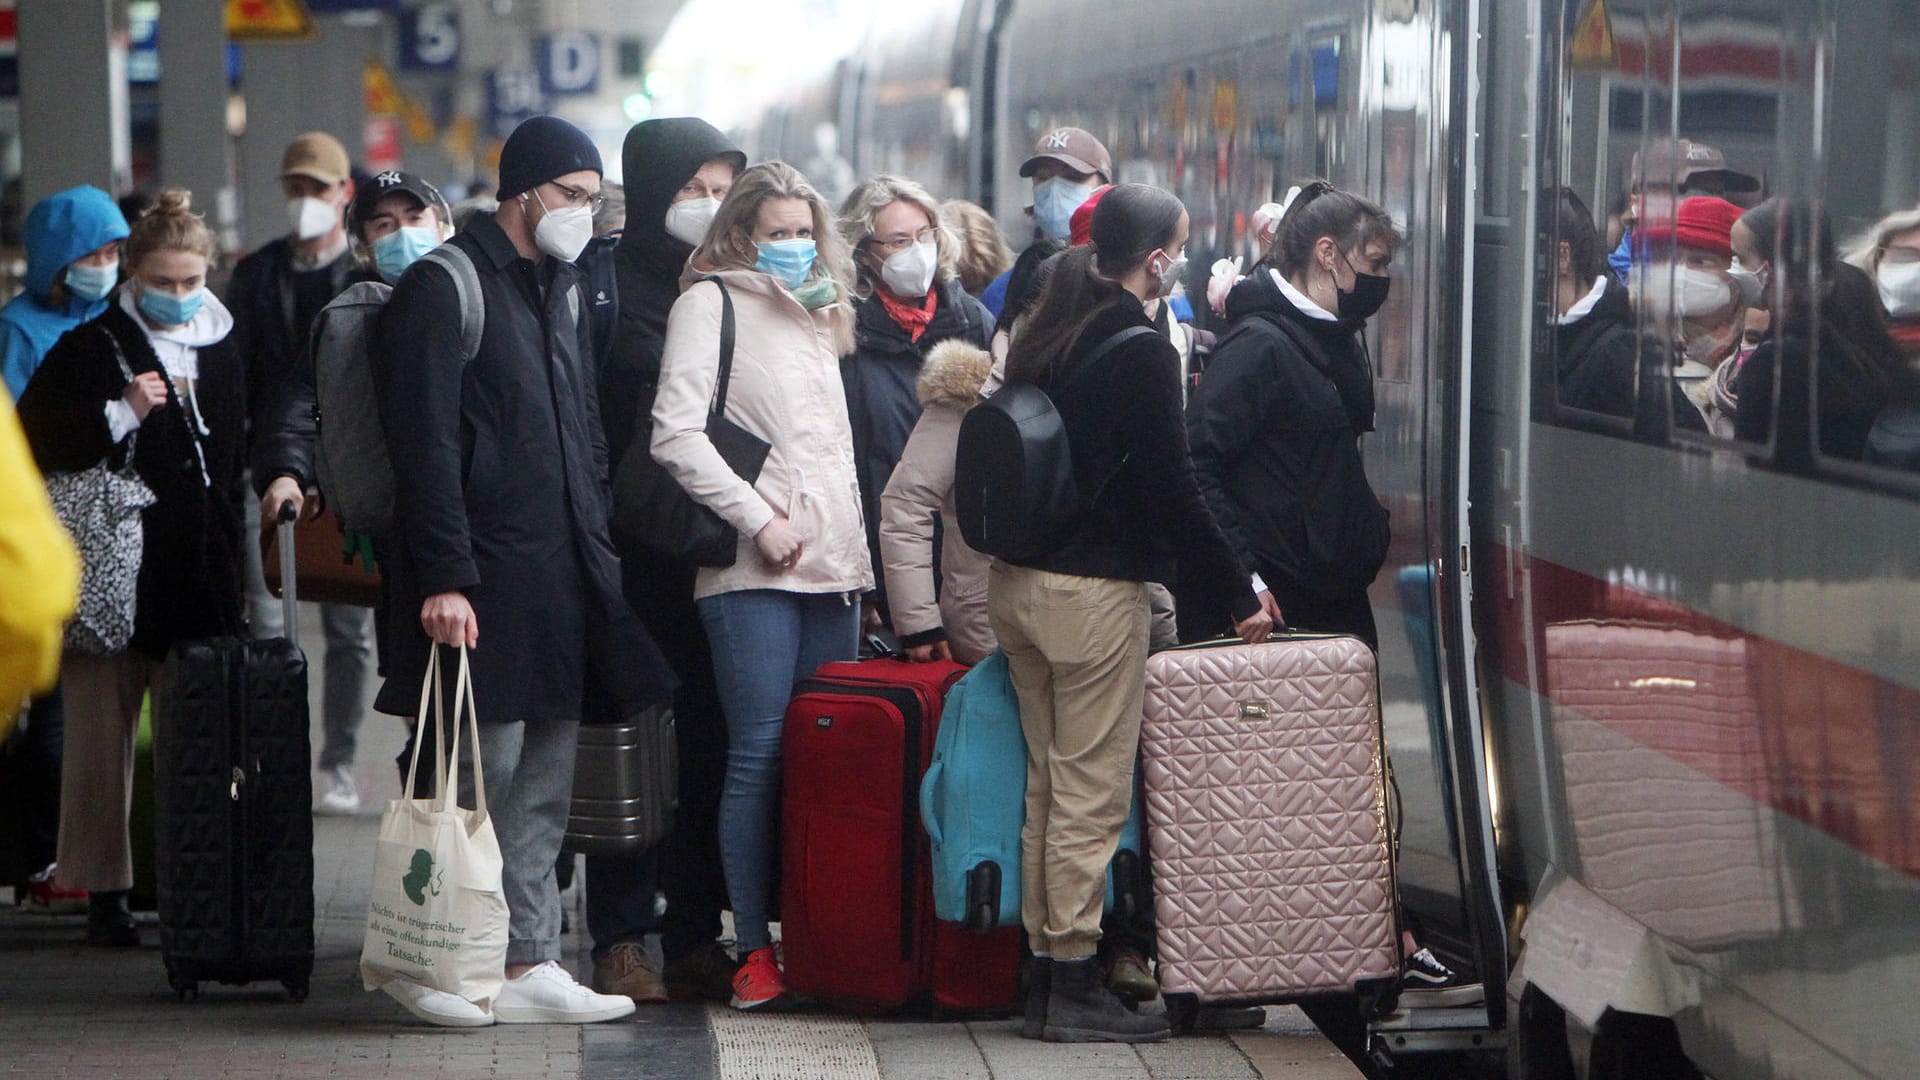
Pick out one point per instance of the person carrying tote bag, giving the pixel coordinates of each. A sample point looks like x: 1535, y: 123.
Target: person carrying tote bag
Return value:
x: 437, y: 918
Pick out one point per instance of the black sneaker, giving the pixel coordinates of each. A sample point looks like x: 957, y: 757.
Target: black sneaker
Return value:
x: 1425, y: 982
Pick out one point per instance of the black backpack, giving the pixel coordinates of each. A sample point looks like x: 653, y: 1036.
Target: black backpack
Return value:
x: 1013, y: 487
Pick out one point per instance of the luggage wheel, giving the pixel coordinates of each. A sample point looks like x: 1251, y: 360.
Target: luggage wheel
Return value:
x: 296, y: 989
x: 1182, y: 1010
x: 188, y: 992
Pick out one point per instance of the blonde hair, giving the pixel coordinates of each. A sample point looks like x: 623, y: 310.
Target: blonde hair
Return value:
x: 168, y: 225
x: 984, y: 254
x: 729, y: 243
x: 1866, y: 249
x: 860, y: 214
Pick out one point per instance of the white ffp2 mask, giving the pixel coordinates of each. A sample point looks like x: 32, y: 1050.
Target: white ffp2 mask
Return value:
x: 689, y: 219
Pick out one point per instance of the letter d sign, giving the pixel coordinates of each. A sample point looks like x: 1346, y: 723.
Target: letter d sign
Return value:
x: 569, y: 63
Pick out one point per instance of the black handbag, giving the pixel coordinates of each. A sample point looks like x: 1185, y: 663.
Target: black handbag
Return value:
x: 652, y: 510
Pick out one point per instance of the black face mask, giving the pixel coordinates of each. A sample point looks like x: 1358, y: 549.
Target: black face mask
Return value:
x: 1369, y: 292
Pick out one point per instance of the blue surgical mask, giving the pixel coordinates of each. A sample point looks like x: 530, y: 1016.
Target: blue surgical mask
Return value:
x: 397, y: 250
x: 1054, y: 202
x: 166, y: 309
x: 91, y: 283
x: 788, y: 261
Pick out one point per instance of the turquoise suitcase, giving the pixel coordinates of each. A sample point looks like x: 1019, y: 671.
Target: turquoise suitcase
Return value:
x: 973, y: 803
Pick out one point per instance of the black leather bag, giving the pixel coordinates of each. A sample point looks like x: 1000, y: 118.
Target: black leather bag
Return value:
x: 651, y: 509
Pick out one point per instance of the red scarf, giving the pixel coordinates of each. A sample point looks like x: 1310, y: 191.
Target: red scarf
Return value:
x: 914, y: 320
x: 1907, y: 333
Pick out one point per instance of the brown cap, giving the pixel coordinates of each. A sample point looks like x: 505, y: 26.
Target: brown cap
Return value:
x: 317, y: 155
x: 1076, y: 149
x: 1685, y: 160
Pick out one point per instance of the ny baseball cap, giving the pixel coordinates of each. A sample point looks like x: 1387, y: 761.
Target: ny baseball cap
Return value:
x: 395, y: 182
x: 1073, y: 147
x: 1685, y: 160
x: 318, y: 156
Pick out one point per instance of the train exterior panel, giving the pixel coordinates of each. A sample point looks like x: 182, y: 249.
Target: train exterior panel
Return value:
x: 1652, y: 696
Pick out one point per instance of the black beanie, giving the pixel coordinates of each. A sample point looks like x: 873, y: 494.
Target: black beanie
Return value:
x: 540, y: 149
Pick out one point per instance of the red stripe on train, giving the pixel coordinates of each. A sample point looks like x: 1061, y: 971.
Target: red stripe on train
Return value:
x: 1841, y: 745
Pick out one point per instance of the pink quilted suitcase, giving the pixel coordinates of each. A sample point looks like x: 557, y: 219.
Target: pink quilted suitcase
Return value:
x: 1266, y: 817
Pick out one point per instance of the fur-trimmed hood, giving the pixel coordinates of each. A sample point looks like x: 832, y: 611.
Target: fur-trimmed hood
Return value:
x: 957, y: 374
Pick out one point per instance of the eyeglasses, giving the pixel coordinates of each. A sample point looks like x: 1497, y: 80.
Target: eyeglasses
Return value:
x: 577, y: 197
x: 901, y: 243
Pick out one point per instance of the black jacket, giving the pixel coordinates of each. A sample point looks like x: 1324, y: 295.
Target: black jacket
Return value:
x: 286, y: 428
x: 190, y: 568
x: 883, y: 405
x: 273, y: 309
x: 1595, y: 361
x: 1145, y: 519
x: 1275, y: 427
x: 659, y: 157
x: 501, y: 473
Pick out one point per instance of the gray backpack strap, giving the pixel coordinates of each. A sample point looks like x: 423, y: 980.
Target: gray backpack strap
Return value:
x: 466, y: 285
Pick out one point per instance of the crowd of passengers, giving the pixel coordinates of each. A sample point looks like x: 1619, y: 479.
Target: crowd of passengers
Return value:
x: 1229, y: 504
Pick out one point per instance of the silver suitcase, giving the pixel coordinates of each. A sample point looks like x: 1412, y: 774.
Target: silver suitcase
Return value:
x: 1267, y: 820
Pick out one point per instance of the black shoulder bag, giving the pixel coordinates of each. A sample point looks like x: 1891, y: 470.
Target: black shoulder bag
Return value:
x: 651, y: 509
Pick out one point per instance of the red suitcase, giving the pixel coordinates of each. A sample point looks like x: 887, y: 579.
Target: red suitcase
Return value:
x: 856, y: 902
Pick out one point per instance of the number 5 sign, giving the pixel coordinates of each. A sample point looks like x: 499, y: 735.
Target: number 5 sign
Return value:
x: 430, y: 38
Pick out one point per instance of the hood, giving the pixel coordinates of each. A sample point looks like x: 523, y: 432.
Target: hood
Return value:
x: 210, y: 325
x: 955, y: 375
x: 1257, y: 294
x: 658, y: 157
x: 63, y: 227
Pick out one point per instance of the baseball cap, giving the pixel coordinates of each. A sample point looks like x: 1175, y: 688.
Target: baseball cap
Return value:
x: 1684, y: 160
x: 392, y: 182
x: 1073, y: 147
x: 316, y: 155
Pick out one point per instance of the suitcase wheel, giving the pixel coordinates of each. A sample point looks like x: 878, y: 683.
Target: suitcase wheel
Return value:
x: 1182, y: 1010
x: 296, y: 989
x: 983, y: 896
x: 188, y: 990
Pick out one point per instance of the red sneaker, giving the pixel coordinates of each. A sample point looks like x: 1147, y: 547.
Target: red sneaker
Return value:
x: 759, y: 986
x: 46, y: 896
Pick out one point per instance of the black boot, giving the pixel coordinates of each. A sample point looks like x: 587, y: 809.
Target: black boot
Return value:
x: 110, y: 921
x: 1080, y: 1008
x: 1039, y: 985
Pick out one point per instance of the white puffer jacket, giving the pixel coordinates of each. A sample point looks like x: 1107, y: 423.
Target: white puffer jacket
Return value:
x: 786, y: 389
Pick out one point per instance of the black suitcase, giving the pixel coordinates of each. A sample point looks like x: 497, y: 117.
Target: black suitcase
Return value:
x: 234, y: 811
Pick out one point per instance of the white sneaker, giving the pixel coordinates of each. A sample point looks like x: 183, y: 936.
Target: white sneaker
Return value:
x: 438, y: 1006
x: 549, y: 995
x: 336, y: 794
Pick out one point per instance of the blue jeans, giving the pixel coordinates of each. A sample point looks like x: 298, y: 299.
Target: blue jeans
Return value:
x: 763, y: 642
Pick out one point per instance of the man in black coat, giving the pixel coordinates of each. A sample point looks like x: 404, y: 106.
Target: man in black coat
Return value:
x: 502, y: 499
x: 677, y: 171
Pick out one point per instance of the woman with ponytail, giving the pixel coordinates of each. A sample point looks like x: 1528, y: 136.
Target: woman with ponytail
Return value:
x: 152, y: 379
x: 1074, y: 623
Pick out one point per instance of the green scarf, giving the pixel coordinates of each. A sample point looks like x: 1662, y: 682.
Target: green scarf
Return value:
x: 816, y: 294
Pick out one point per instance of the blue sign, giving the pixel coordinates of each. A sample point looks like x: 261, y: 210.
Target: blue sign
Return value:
x: 143, y: 46
x: 430, y: 38
x: 513, y: 95
x: 569, y: 63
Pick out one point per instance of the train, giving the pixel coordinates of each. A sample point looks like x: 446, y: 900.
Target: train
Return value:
x: 1651, y: 697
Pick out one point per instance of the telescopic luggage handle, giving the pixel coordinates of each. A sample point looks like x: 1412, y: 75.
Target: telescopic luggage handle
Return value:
x: 289, y: 603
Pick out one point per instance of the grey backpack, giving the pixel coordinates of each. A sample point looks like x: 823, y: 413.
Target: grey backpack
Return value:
x: 356, y: 474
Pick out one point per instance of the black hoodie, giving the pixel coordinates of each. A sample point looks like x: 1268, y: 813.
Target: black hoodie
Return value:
x: 659, y: 157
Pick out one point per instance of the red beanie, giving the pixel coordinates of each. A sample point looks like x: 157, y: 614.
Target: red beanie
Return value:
x: 1703, y: 222
x: 1080, y: 225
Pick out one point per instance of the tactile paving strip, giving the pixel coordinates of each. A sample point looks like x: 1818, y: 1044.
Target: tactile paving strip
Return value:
x: 790, y: 1047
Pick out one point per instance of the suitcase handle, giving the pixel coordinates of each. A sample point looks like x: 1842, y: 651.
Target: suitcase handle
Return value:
x: 928, y: 819
x: 289, y: 602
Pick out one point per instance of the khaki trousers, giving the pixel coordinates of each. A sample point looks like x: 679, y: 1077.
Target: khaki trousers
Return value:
x: 102, y: 700
x: 1077, y: 651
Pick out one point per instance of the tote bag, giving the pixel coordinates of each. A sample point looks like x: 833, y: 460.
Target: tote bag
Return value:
x: 437, y: 916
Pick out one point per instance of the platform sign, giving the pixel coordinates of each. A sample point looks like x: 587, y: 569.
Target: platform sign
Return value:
x: 269, y: 20
x: 513, y: 95
x: 430, y: 38
x: 569, y: 63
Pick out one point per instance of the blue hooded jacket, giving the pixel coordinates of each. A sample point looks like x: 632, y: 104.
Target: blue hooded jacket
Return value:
x: 60, y: 229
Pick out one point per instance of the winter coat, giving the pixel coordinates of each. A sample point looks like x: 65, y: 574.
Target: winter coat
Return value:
x: 1275, y: 427
x: 1145, y: 519
x: 880, y: 376
x: 659, y: 156
x: 786, y: 389
x: 39, y: 571
x: 190, y: 567
x: 1596, y: 355
x: 273, y: 310
x: 60, y: 229
x: 500, y: 468
x: 956, y: 376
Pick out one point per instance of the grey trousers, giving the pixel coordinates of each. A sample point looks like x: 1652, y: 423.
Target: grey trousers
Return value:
x: 529, y: 773
x: 349, y: 637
